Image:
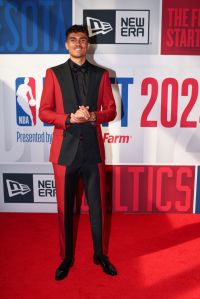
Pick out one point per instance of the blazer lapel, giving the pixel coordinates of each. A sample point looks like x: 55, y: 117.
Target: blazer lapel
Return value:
x: 64, y: 76
x: 70, y: 94
x: 92, y: 80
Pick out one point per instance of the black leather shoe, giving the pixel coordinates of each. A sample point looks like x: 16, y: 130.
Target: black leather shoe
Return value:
x: 103, y: 261
x: 63, y: 269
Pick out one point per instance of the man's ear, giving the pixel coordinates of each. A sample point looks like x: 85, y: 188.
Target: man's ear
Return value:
x: 88, y: 46
x: 66, y: 46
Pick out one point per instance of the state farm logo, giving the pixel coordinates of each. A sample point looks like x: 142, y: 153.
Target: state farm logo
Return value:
x: 116, y: 138
x: 117, y: 26
x: 15, y: 188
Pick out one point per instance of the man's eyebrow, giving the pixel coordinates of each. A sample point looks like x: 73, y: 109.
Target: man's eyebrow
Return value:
x: 73, y: 37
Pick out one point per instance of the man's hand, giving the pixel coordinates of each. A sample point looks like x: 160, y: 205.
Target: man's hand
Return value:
x: 81, y: 115
x: 83, y: 112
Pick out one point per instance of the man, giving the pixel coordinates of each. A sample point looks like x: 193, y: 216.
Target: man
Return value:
x: 76, y: 99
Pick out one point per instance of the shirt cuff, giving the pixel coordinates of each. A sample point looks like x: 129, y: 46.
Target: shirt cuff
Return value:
x: 67, y: 122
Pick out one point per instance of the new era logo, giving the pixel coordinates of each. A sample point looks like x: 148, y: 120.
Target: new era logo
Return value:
x: 117, y: 26
x: 18, y: 187
x: 15, y: 188
x: 101, y: 25
x: 96, y: 26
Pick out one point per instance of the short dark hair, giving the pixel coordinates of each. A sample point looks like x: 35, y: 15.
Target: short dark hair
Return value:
x: 77, y: 28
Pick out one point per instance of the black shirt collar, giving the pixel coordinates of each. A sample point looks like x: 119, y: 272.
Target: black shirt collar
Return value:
x: 76, y: 67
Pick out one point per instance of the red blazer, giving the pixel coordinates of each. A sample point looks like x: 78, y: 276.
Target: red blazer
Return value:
x: 59, y: 100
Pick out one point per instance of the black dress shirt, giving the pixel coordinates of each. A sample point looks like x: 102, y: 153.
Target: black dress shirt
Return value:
x: 80, y: 79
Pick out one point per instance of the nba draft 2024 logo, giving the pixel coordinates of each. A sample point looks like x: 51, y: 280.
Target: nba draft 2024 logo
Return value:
x: 25, y: 101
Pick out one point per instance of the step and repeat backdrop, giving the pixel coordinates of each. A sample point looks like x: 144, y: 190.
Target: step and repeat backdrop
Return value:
x: 151, y: 50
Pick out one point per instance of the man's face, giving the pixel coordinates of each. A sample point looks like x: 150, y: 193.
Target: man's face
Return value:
x: 77, y: 44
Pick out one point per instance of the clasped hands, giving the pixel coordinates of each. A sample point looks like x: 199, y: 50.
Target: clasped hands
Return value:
x: 81, y: 115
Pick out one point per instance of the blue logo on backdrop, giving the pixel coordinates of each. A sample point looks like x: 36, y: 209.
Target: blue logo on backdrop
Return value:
x: 25, y: 101
x: 34, y: 26
x: 198, y: 192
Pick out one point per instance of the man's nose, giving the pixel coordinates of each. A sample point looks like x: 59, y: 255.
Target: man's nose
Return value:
x: 78, y: 42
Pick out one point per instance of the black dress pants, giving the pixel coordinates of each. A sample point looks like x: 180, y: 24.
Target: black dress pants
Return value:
x: 90, y: 175
x: 66, y: 179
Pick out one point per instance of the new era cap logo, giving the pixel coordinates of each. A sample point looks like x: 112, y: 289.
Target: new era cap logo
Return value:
x: 96, y: 26
x: 15, y: 188
x: 18, y: 187
x: 117, y: 26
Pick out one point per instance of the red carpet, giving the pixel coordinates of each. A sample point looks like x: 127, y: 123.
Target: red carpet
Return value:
x: 157, y: 256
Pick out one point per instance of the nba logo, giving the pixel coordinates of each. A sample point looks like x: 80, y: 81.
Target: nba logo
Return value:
x: 25, y: 101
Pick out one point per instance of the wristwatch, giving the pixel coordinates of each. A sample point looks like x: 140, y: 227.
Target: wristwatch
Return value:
x: 92, y: 116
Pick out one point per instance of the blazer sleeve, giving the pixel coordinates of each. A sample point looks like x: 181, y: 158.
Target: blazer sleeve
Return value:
x: 107, y: 102
x: 47, y: 108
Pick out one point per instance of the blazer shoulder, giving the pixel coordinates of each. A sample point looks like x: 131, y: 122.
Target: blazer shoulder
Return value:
x: 97, y: 69
x: 58, y: 67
